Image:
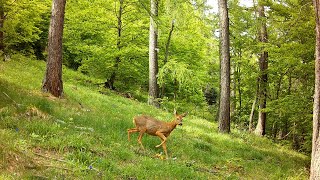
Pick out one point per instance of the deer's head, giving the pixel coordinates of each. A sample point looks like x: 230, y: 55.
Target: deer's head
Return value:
x: 178, y: 118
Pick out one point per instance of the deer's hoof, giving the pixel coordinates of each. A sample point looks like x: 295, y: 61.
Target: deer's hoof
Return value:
x: 157, y: 146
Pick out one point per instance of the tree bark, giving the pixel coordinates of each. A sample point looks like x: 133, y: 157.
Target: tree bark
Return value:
x: 110, y: 82
x: 2, y: 18
x: 224, y: 107
x: 239, y: 85
x: 290, y: 84
x: 168, y: 43
x: 52, y: 82
x: 279, y: 85
x: 252, y: 114
x: 263, y: 80
x: 166, y: 55
x: 233, y: 93
x: 153, y: 55
x: 315, y: 155
x: 251, y: 127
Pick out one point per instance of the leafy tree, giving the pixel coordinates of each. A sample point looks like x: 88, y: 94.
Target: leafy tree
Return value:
x: 243, y: 32
x: 93, y: 45
x: 23, y: 24
x: 186, y: 64
x: 290, y: 73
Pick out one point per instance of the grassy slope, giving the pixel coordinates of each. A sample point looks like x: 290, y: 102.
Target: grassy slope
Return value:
x: 42, y: 136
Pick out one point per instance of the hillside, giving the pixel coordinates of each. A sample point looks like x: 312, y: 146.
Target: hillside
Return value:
x: 83, y: 136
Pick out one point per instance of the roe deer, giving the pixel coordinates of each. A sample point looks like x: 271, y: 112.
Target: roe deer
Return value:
x: 154, y: 127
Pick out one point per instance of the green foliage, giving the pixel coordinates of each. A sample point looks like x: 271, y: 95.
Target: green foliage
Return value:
x: 25, y: 24
x: 93, y: 45
x: 91, y: 37
x: 290, y: 71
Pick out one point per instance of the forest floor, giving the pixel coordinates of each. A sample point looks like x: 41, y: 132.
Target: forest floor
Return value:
x: 84, y: 136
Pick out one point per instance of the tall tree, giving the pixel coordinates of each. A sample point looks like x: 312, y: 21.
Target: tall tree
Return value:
x: 315, y: 156
x: 2, y: 18
x: 224, y: 111
x: 263, y: 79
x: 110, y: 82
x: 166, y: 54
x: 53, y: 77
x: 153, y: 54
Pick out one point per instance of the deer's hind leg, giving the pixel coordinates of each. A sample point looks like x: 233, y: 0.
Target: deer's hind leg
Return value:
x: 162, y: 137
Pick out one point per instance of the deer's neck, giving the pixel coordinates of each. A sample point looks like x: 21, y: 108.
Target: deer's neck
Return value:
x: 173, y: 124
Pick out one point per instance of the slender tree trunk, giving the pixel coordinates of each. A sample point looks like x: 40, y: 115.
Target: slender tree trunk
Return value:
x: 233, y: 93
x: 251, y: 128
x: 315, y: 156
x: 252, y: 114
x: 279, y: 86
x: 166, y: 55
x: 290, y: 84
x: 175, y: 94
x: 153, y: 55
x: 263, y: 65
x: 168, y: 43
x: 224, y: 109
x: 110, y: 82
x: 275, y: 130
x: 239, y: 83
x: 53, y: 77
x: 2, y: 18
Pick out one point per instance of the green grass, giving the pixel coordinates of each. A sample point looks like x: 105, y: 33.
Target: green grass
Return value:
x: 48, y: 138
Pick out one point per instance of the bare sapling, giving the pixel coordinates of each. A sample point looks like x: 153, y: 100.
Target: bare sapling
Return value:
x: 154, y: 127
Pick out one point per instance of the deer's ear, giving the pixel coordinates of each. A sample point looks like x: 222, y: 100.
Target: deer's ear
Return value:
x: 184, y: 114
x: 175, y: 112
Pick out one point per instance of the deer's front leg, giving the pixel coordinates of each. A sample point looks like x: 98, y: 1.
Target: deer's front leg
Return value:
x: 140, y: 137
x: 133, y: 130
x: 162, y: 137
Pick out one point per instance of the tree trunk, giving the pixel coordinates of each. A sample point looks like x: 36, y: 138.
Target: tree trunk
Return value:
x: 168, y: 43
x: 252, y: 114
x: 110, y: 82
x: 315, y: 156
x: 279, y: 85
x: 2, y: 18
x: 167, y: 53
x: 233, y: 93
x: 224, y: 108
x: 153, y: 55
x: 263, y: 80
x: 290, y: 84
x: 238, y: 78
x: 315, y: 161
x: 52, y: 82
x: 274, y: 130
x: 239, y: 89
